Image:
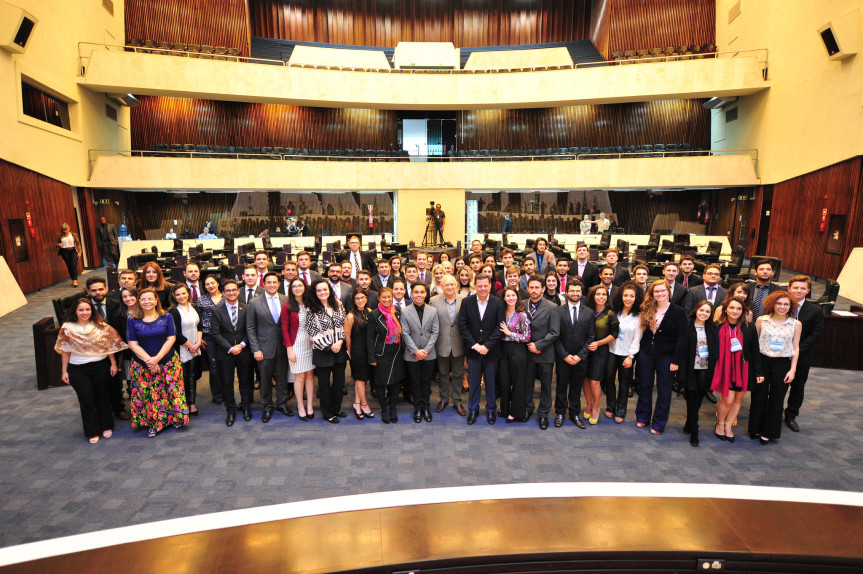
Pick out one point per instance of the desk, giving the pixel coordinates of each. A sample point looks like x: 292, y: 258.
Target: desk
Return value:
x: 569, y: 240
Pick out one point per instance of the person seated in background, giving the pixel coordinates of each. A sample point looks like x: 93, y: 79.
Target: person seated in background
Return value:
x: 205, y: 234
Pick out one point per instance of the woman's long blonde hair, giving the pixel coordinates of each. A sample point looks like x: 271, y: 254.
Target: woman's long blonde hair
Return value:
x: 647, y: 317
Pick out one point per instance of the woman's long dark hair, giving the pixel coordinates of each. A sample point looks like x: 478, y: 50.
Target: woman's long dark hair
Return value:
x: 361, y: 318
x: 311, y: 298
x: 95, y: 317
x: 519, y: 304
x: 617, y: 302
x: 591, y: 296
x: 292, y: 300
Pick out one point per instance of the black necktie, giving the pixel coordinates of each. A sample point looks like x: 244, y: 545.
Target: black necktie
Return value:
x: 249, y: 295
x: 574, y: 315
x: 101, y: 307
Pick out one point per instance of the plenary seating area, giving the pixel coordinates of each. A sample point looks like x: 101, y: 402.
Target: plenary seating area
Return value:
x: 684, y: 52
x: 202, y: 51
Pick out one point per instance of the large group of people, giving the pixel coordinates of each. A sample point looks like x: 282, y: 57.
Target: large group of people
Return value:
x: 477, y: 325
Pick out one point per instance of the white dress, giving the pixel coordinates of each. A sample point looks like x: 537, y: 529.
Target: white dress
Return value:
x: 302, y: 346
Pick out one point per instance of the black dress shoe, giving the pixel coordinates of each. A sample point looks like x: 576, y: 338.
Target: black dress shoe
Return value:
x: 247, y: 413
x: 418, y: 417
x: 342, y: 414
x: 286, y: 410
x: 229, y: 420
x: 333, y: 420
x: 267, y: 414
x: 791, y: 422
x: 218, y: 401
x: 385, y: 419
x: 427, y: 415
x: 693, y: 437
x: 543, y: 423
x: 710, y: 397
x: 491, y: 417
x: 558, y: 421
x: 394, y: 419
x: 471, y: 417
x: 577, y: 421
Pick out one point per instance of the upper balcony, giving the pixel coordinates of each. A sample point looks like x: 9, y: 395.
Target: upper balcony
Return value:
x: 127, y: 69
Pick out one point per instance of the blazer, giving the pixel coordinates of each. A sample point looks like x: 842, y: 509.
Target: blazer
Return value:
x: 223, y: 333
x: 243, y: 290
x: 699, y: 293
x: 771, y: 287
x: 544, y: 329
x: 678, y: 295
x: 686, y: 372
x: 574, y: 339
x: 389, y: 368
x: 590, y: 276
x: 112, y: 233
x: 548, y: 261
x: 366, y: 260
x: 377, y: 284
x: 812, y: 320
x: 420, y: 335
x: 263, y: 332
x: 449, y: 340
x: 346, y: 295
x: 111, y: 306
x: 175, y: 313
x: 621, y: 275
x: 485, y: 331
x: 313, y: 275
x: 670, y: 337
x: 694, y: 280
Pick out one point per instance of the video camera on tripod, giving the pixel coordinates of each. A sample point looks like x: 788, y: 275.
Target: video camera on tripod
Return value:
x: 430, y: 210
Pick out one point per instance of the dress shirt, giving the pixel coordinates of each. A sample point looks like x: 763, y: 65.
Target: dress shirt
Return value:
x: 482, y: 306
x: 385, y: 279
x: 629, y: 338
x: 450, y: 308
x: 337, y: 289
x: 275, y: 306
x: 581, y: 267
x: 711, y: 293
x: 304, y: 275
x: 577, y: 308
x: 250, y: 293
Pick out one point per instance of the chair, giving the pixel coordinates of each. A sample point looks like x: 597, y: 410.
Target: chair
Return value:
x: 207, y: 52
x: 234, y: 54
x: 178, y: 47
x: 593, y: 253
x: 605, y: 241
x: 714, y: 248
x: 163, y: 45
x: 220, y: 53
x: 828, y: 299
x: 623, y: 247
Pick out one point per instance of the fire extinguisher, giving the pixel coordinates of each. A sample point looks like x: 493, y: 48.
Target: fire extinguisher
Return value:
x: 706, y: 216
x: 29, y: 220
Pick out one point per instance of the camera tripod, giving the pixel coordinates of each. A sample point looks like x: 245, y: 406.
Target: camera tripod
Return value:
x: 429, y: 237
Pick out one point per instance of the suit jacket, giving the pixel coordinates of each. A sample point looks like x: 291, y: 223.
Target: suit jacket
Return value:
x: 694, y: 280
x: 366, y: 260
x: 346, y: 296
x: 544, y: 329
x: 243, y: 291
x: 548, y: 261
x: 111, y: 306
x: 670, y: 338
x: 282, y: 286
x: 313, y: 275
x: 678, y: 295
x: 420, y: 335
x: 574, y: 339
x: 771, y: 287
x: 590, y: 276
x: 621, y: 275
x: 112, y: 233
x: 226, y: 335
x: 264, y: 334
x: 428, y: 278
x: 699, y: 293
x: 377, y: 284
x: 449, y: 340
x: 812, y: 320
x: 485, y: 331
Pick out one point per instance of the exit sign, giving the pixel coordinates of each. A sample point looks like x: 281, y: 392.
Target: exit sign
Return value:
x: 104, y: 202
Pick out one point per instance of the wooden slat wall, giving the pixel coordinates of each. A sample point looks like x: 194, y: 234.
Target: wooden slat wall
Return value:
x: 600, y: 26
x: 636, y: 210
x: 51, y: 205
x: 673, y: 121
x: 189, y: 121
x: 645, y: 24
x: 796, y: 212
x: 465, y: 23
x: 210, y: 22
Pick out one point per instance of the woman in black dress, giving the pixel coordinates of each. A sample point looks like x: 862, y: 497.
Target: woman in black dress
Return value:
x: 607, y: 328
x: 552, y: 288
x: 356, y: 338
x: 152, y: 278
x: 384, y: 338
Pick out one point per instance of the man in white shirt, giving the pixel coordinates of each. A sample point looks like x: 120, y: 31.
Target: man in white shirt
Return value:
x: 399, y: 290
x: 289, y: 273
x: 382, y: 279
x: 342, y: 291
x: 423, y: 269
x: 250, y: 288
x: 449, y: 346
x: 358, y: 259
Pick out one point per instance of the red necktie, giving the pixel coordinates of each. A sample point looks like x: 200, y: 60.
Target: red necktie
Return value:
x: 306, y: 277
x: 194, y: 294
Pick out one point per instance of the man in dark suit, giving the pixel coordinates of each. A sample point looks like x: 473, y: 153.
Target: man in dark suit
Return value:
x: 678, y: 292
x: 762, y: 287
x: 250, y: 288
x: 358, y: 259
x: 192, y: 278
x: 812, y: 319
x: 688, y: 278
x: 383, y: 277
x: 478, y: 322
x: 228, y: 329
x: 125, y: 278
x: 420, y: 329
x: 268, y: 349
x: 304, y: 272
x: 577, y: 331
x: 364, y: 283
x: 347, y: 269
x: 583, y: 268
x: 544, y: 330
x: 423, y: 265
x: 507, y: 257
x: 106, y: 235
x: 709, y: 290
x: 621, y: 272
x: 97, y: 289
x: 341, y: 290
x: 289, y: 273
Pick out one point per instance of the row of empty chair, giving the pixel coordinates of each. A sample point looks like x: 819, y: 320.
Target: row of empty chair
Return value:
x: 182, y: 49
x: 694, y: 51
x: 278, y: 153
x: 551, y: 153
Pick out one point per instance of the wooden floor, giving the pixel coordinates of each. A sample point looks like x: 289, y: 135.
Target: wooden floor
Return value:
x: 588, y: 534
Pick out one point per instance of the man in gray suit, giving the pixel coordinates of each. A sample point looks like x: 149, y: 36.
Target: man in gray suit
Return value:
x: 543, y: 258
x: 420, y: 330
x: 677, y: 292
x: 544, y: 330
x: 710, y: 290
x: 450, y: 345
x: 341, y: 290
x: 264, y: 333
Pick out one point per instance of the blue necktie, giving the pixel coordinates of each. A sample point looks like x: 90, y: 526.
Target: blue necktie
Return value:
x: 274, y: 309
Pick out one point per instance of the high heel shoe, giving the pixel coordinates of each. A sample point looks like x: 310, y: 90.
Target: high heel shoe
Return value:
x: 728, y: 437
x: 311, y: 415
x: 360, y: 416
x: 717, y: 435
x: 368, y: 413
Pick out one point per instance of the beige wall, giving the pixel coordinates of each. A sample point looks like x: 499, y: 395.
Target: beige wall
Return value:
x: 51, y: 61
x: 411, y: 210
x: 116, y: 172
x: 811, y: 117
x: 154, y: 74
x: 502, y: 59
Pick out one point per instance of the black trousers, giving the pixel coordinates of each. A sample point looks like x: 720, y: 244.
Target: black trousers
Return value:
x: 541, y: 371
x: 695, y: 396
x: 388, y: 397
x: 795, y: 394
x: 70, y: 258
x: 512, y: 376
x: 90, y: 382
x: 765, y: 411
x: 190, y: 383
x: 420, y: 373
x: 213, y: 365
x: 616, y: 399
x: 228, y: 363
x: 115, y: 387
x: 570, y: 380
x: 331, y: 381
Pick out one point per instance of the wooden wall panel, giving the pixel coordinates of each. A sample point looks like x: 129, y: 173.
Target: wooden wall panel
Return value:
x: 51, y: 205
x: 189, y: 121
x: 673, y: 121
x: 645, y: 24
x: 794, y: 234
x: 465, y: 23
x: 636, y: 210
x: 210, y: 22
x: 600, y: 26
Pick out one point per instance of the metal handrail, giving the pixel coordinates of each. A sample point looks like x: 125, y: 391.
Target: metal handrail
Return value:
x: 682, y: 57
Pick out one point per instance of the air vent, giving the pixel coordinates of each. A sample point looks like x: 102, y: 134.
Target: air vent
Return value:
x: 731, y: 115
x: 111, y: 112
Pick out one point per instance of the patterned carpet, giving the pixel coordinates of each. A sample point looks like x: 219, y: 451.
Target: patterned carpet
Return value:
x: 54, y: 483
